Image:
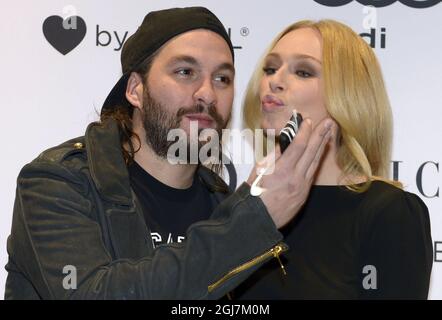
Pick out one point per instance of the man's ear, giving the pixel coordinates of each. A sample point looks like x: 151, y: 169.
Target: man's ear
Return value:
x: 134, y: 90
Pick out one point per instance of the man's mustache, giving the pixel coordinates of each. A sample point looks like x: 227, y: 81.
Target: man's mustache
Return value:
x: 199, y: 108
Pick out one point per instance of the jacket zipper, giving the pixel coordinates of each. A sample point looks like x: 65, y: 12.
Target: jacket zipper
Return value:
x: 273, y: 252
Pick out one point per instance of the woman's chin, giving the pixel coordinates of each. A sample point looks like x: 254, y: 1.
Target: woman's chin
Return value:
x: 271, y: 128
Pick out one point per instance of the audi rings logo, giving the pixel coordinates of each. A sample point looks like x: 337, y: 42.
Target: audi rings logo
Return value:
x: 420, y: 4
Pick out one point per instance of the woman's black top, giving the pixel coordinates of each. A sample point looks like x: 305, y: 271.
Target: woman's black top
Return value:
x: 348, y: 245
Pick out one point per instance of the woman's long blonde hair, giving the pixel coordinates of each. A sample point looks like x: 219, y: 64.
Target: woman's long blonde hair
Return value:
x: 355, y: 97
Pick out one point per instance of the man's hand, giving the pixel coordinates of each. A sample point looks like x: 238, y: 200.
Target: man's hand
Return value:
x: 286, y: 189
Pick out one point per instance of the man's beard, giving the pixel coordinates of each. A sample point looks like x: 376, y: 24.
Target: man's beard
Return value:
x: 157, y: 123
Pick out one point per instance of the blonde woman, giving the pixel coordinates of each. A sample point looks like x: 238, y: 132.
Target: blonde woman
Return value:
x: 359, y: 235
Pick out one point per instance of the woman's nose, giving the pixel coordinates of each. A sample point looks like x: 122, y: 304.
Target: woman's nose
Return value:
x: 276, y: 81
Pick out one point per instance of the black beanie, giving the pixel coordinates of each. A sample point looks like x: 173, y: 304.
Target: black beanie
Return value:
x: 157, y: 28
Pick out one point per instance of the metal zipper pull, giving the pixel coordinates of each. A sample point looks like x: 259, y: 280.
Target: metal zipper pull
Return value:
x: 277, y: 251
x: 274, y: 252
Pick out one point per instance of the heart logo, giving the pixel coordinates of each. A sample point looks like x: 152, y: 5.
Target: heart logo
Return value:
x: 64, y: 35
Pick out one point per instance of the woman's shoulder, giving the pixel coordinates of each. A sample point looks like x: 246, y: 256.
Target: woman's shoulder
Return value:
x: 383, y: 193
x: 388, y: 202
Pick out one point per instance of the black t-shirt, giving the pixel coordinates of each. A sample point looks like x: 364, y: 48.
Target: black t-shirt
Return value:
x: 168, y: 212
x: 337, y: 239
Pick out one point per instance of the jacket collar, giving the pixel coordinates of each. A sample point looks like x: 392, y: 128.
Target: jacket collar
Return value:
x: 106, y: 162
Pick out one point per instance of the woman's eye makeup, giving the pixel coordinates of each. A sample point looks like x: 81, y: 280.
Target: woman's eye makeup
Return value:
x: 271, y: 65
x: 268, y: 70
x: 304, y: 73
x: 304, y: 69
x: 300, y: 68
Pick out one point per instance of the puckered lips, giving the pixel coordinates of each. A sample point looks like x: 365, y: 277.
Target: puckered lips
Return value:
x: 271, y: 103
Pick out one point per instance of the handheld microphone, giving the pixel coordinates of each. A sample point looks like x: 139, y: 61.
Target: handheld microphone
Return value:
x: 288, y: 133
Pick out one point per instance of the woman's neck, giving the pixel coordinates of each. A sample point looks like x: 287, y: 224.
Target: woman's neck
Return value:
x: 329, y: 173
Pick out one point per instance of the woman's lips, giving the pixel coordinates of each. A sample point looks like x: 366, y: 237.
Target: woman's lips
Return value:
x: 271, y: 103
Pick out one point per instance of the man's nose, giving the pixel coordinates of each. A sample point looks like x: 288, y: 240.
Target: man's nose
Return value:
x: 205, y: 93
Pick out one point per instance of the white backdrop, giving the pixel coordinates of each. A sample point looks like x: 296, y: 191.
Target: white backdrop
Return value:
x: 47, y: 97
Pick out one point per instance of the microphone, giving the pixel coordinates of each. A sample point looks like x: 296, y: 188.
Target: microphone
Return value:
x: 288, y: 133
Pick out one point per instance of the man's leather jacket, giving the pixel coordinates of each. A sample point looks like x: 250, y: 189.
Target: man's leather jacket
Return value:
x: 78, y: 232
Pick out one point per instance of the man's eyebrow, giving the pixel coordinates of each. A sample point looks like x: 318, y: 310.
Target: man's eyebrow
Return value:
x: 296, y: 56
x: 192, y: 61
x: 226, y: 66
x: 183, y: 58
